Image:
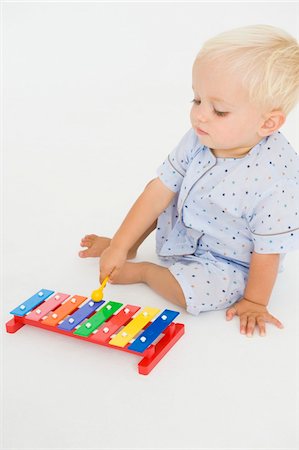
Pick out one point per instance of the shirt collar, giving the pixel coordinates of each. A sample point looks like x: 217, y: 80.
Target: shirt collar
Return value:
x: 252, y: 152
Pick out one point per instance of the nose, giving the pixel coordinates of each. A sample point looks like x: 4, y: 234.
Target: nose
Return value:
x: 201, y: 113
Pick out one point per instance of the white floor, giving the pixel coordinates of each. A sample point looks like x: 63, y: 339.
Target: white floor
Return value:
x: 83, y: 133
x: 214, y: 389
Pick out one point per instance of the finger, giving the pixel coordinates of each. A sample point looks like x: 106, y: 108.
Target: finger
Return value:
x: 105, y: 281
x: 230, y: 313
x: 261, y: 325
x: 113, y: 275
x: 272, y: 319
x: 103, y: 275
x: 243, y: 323
x: 250, y: 326
x: 106, y: 270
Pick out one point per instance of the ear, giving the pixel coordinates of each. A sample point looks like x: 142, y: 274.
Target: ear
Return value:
x: 272, y: 121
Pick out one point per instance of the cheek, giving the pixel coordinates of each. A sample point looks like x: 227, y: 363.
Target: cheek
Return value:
x: 226, y: 131
x: 225, y: 126
x: 230, y: 125
x: 192, y: 115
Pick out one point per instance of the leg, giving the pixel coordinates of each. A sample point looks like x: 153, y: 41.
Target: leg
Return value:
x: 156, y: 277
x: 13, y: 325
x: 161, y: 280
x: 97, y: 244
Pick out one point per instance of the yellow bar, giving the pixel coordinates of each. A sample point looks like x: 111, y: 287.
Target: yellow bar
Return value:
x: 133, y: 327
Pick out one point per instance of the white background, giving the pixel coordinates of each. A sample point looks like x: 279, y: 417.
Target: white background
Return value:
x: 95, y: 96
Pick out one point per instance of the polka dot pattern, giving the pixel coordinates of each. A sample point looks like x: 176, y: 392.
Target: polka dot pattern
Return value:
x: 229, y: 207
x: 208, y: 283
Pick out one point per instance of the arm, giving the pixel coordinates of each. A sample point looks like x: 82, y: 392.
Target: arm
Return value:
x: 251, y: 308
x: 149, y: 205
x: 261, y: 278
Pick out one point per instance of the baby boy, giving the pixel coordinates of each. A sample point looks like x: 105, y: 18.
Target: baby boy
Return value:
x: 225, y: 203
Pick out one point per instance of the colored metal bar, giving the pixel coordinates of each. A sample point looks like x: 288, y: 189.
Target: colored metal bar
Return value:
x: 31, y: 303
x: 48, y: 306
x: 108, y: 328
x: 127, y: 333
x: 153, y: 331
x: 82, y: 313
x: 97, y: 319
x: 151, y: 356
x: 64, y: 310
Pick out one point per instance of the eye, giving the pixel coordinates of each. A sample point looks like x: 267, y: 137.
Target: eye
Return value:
x: 220, y: 113
x: 197, y: 102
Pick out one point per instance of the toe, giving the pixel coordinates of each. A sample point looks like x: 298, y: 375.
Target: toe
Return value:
x: 84, y: 253
x: 88, y: 240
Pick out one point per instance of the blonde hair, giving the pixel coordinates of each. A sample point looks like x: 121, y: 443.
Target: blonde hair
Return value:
x: 266, y: 58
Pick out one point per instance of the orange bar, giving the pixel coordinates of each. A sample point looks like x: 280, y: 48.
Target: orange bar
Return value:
x: 64, y: 310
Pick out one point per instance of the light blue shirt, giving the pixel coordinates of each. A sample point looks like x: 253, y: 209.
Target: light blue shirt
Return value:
x: 233, y: 206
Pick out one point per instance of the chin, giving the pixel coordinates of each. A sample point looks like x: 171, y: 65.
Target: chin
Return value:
x: 205, y: 139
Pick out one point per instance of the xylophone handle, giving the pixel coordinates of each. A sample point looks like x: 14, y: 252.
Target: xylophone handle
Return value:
x: 13, y: 325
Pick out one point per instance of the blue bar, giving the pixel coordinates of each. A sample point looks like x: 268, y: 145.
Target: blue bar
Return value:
x: 72, y: 321
x: 31, y: 303
x: 153, y: 330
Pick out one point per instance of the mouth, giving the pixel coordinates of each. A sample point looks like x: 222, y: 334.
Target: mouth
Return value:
x: 201, y: 132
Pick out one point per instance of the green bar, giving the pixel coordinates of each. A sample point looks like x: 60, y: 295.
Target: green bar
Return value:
x: 97, y: 319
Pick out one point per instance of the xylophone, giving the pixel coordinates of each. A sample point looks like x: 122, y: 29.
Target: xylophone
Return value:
x: 103, y: 323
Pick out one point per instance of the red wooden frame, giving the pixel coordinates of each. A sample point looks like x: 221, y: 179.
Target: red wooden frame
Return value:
x: 151, y: 356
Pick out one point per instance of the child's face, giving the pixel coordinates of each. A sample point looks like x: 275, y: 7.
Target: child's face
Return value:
x: 221, y: 108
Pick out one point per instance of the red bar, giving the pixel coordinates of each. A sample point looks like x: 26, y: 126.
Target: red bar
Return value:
x: 108, y: 328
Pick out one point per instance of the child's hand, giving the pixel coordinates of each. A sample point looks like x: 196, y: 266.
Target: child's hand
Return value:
x: 251, y: 314
x: 111, y: 262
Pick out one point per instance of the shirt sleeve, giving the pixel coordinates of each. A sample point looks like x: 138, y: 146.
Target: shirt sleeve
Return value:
x: 274, y: 224
x: 172, y: 171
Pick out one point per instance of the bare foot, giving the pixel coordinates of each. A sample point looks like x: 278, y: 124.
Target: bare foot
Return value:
x: 96, y: 245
